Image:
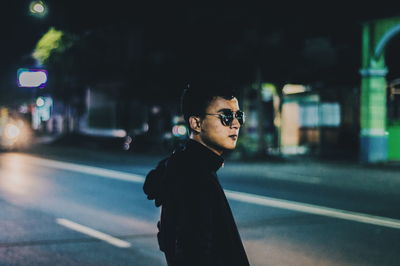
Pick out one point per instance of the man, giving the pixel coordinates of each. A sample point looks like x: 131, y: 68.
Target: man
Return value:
x: 196, y: 225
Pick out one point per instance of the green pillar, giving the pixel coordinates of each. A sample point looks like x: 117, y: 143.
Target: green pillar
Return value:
x: 373, y: 137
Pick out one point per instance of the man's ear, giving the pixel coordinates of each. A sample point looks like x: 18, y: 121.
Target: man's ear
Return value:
x: 195, y: 123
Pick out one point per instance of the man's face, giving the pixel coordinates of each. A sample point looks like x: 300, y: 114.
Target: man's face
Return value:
x: 213, y: 133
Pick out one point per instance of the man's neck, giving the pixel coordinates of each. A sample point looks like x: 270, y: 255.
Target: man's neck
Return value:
x: 199, y: 140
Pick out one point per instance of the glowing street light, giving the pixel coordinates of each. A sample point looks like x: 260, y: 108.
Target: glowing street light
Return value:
x: 38, y: 8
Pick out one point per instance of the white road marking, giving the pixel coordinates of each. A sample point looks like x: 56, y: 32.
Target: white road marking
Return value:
x: 91, y: 170
x: 313, y: 209
x: 93, y: 233
x: 235, y: 195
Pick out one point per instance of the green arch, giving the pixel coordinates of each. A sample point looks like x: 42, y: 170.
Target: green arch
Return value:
x: 385, y: 40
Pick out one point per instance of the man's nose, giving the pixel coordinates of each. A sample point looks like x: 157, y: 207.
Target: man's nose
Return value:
x: 235, y: 123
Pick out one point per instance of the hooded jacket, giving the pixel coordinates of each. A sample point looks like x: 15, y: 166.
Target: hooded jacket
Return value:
x: 196, y: 225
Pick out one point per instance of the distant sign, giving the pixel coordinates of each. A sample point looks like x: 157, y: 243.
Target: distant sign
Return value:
x: 31, y: 78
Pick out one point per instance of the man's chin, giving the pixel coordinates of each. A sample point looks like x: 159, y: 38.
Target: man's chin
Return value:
x: 226, y: 146
x: 230, y: 147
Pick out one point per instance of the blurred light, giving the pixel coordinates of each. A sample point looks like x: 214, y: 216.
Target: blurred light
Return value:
x: 128, y: 139
x: 43, y: 110
x: 145, y: 127
x: 12, y: 131
x: 126, y: 146
x: 267, y: 91
x: 19, y: 179
x: 38, y: 8
x: 182, y: 130
x: 155, y: 109
x: 40, y: 102
x: 178, y: 119
x: 294, y: 88
x: 175, y: 119
x: 103, y: 132
x: 127, y: 143
x: 167, y: 135
x: 119, y: 133
x: 3, y: 112
x: 23, y: 109
x: 32, y: 78
x: 179, y: 130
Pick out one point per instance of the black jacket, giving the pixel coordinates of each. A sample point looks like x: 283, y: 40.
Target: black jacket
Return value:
x: 196, y: 225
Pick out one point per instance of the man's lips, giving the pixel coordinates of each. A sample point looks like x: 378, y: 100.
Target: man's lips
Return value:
x: 233, y: 136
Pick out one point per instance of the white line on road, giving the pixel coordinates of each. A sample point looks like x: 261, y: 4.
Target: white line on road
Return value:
x: 235, y: 195
x: 313, y: 209
x: 88, y: 170
x: 93, y: 233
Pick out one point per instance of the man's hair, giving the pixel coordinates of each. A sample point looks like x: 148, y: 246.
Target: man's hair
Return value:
x: 194, y: 101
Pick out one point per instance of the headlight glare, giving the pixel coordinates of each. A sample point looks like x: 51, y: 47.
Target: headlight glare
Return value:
x: 12, y: 131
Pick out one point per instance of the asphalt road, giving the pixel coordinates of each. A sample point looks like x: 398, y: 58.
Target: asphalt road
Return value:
x: 57, y: 211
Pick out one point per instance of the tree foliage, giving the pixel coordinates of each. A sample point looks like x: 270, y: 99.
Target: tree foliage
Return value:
x: 52, y: 46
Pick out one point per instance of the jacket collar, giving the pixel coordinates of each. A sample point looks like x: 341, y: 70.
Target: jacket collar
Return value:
x: 204, y: 156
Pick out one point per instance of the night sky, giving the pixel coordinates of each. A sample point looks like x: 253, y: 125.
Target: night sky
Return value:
x: 197, y: 37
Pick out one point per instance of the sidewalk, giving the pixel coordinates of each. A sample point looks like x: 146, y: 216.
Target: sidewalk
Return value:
x: 383, y: 178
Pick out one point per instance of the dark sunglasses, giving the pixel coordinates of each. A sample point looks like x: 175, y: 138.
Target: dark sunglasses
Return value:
x: 227, y: 117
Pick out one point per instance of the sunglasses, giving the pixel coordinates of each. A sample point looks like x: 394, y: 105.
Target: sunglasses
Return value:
x: 227, y: 117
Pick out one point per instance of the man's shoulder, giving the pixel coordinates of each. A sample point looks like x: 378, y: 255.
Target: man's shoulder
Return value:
x: 185, y: 167
x: 180, y: 158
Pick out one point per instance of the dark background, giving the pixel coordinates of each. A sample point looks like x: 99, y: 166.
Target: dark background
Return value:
x: 316, y: 44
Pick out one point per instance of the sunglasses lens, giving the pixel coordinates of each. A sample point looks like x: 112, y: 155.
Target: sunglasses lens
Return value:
x: 240, y: 117
x: 227, y: 119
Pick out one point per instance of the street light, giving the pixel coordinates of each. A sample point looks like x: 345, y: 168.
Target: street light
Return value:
x: 31, y: 78
x: 38, y: 8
